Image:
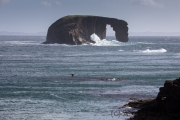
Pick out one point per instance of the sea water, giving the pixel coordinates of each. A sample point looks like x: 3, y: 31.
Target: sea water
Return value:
x: 36, y: 81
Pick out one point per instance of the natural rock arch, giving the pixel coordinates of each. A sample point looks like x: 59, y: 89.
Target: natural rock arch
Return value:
x: 109, y: 31
x: 77, y: 29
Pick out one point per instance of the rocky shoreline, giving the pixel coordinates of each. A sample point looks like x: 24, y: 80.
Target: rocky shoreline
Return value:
x: 164, y: 107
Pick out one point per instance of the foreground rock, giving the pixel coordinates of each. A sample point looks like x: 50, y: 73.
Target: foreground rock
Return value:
x: 77, y: 29
x: 166, y: 106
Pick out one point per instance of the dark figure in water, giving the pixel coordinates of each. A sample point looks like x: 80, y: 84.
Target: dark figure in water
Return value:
x: 72, y: 75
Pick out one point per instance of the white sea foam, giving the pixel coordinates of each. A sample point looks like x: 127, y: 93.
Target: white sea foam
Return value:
x: 145, y: 43
x: 162, y: 50
x: 128, y: 107
x: 120, y: 50
x: 113, y: 79
x: 104, y: 42
x: 21, y: 43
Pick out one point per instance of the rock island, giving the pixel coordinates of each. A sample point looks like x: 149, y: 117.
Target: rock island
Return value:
x: 77, y: 29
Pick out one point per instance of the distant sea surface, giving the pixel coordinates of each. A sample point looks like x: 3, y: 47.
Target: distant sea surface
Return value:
x: 36, y: 82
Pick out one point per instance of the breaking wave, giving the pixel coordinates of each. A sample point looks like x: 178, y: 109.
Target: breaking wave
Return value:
x: 120, y: 50
x: 162, y: 50
x: 145, y: 43
x: 104, y: 42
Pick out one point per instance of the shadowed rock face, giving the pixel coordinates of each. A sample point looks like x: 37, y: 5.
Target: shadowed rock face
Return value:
x: 165, y: 107
x: 77, y: 29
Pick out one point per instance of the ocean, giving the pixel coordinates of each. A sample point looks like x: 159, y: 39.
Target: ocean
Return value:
x: 36, y: 81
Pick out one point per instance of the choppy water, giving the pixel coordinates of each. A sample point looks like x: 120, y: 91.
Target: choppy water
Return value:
x: 36, y: 82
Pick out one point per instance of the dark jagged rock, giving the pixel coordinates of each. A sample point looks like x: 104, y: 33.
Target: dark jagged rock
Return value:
x: 165, y: 107
x: 77, y: 29
x: 170, y: 92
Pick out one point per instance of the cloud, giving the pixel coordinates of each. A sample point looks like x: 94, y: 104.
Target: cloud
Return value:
x: 4, y: 1
x: 57, y: 3
x: 46, y: 4
x: 148, y: 3
x: 50, y: 4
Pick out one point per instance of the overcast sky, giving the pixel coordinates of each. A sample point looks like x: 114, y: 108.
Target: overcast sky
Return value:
x: 142, y: 15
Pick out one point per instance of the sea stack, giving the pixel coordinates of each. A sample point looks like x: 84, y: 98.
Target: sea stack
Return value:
x: 77, y: 29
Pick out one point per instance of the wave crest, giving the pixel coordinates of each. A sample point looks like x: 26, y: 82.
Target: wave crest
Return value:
x: 162, y: 50
x: 104, y: 42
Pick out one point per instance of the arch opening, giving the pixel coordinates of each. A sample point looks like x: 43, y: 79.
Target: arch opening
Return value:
x: 109, y: 31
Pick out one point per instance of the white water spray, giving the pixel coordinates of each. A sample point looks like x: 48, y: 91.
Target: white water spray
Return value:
x: 104, y: 42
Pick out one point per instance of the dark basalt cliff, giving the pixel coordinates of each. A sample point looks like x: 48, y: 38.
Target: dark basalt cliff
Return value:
x: 77, y: 29
x: 165, y: 107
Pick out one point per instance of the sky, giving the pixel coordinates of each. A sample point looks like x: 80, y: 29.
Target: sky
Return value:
x: 33, y: 16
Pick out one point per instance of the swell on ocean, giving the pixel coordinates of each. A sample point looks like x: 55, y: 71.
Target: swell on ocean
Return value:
x: 36, y: 79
